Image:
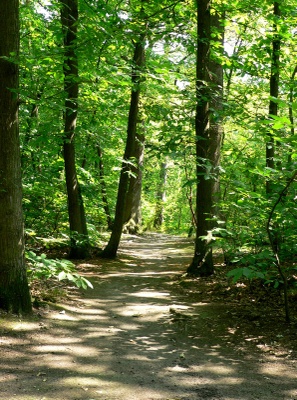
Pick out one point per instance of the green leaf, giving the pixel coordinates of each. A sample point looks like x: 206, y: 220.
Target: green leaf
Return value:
x: 62, y: 275
x: 236, y: 274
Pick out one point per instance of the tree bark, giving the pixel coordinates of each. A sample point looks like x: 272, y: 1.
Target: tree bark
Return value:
x: 133, y: 202
x: 209, y: 86
x: 14, y: 290
x: 160, y: 197
x: 111, y: 249
x: 291, y: 114
x: 79, y: 240
x: 32, y: 122
x: 103, y: 187
x: 274, y: 89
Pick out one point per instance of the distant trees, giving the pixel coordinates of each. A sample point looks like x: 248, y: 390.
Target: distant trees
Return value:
x: 14, y: 291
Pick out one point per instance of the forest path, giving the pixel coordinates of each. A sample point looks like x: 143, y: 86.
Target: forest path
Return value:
x: 136, y: 336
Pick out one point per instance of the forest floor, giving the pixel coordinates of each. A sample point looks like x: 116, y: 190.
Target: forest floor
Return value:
x: 145, y: 332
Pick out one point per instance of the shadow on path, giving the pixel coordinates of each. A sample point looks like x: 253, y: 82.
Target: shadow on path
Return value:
x: 134, y: 337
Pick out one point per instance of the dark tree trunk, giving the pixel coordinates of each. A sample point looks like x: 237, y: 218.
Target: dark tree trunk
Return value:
x: 111, y: 249
x: 103, y: 187
x: 160, y: 197
x: 274, y: 88
x: 291, y: 114
x: 32, y: 122
x: 133, y: 201
x: 79, y: 240
x: 14, y: 291
x: 99, y: 165
x: 209, y: 85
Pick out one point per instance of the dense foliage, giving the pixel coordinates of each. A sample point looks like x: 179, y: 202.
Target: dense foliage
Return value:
x: 107, y: 31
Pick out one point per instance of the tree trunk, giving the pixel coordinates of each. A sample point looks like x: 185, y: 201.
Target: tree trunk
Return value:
x: 79, y: 240
x: 103, y: 187
x: 274, y: 88
x: 291, y: 114
x: 14, y: 291
x: 111, y: 249
x: 209, y: 85
x: 160, y: 197
x: 32, y: 122
x: 133, y: 201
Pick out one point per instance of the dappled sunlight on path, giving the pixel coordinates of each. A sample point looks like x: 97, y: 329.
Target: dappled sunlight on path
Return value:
x: 134, y: 337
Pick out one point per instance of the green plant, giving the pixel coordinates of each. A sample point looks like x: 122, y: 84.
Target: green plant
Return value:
x: 40, y: 267
x: 245, y: 272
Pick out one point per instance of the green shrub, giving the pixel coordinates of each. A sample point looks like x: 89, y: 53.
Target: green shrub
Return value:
x: 40, y: 267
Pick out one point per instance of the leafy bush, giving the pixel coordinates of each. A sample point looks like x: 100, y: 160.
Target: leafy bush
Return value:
x: 40, y: 267
x: 245, y: 272
x: 261, y: 266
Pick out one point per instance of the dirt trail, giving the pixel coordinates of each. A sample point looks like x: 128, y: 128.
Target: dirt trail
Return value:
x: 137, y: 337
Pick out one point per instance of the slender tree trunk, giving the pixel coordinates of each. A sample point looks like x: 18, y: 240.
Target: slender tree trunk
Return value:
x: 14, y: 291
x: 160, y: 197
x: 133, y: 202
x: 209, y: 85
x: 79, y: 240
x: 103, y: 187
x: 99, y: 165
x: 111, y: 249
x: 274, y: 89
x: 291, y: 114
x: 189, y: 195
x: 32, y: 122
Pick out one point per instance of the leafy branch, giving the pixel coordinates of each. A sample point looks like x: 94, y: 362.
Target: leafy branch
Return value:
x: 40, y: 267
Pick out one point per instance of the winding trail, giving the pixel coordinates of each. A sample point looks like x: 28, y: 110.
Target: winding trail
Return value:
x: 135, y: 336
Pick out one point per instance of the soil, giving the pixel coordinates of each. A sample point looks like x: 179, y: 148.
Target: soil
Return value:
x: 146, y: 332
